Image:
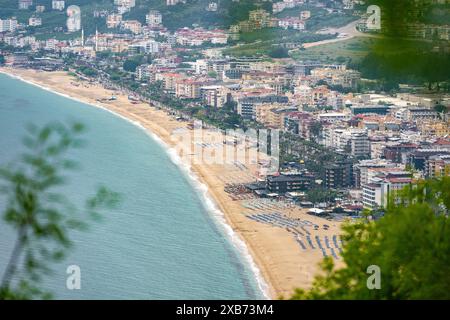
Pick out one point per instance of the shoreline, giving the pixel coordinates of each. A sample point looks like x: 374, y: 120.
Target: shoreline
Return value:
x: 212, y: 207
x: 269, y: 252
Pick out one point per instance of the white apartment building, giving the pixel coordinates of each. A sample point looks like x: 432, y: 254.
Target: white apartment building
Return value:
x: 291, y: 22
x: 305, y: 14
x: 113, y: 20
x: 377, y: 192
x: 354, y: 140
x: 74, y: 21
x: 362, y: 168
x: 25, y: 4
x: 151, y: 46
x: 214, y: 95
x: 359, y: 143
x: 8, y: 25
x: 125, y: 3
x: 143, y: 72
x: 421, y: 113
x: 133, y: 25
x: 11, y: 41
x: 153, y: 18
x: 212, y: 6
x: 26, y: 41
x: 373, y: 195
x: 35, y: 21
x: 201, y: 66
x: 334, y: 117
x: 58, y: 5
x: 174, y: 2
x: 335, y: 100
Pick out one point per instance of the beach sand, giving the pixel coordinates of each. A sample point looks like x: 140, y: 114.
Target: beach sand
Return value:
x: 284, y: 264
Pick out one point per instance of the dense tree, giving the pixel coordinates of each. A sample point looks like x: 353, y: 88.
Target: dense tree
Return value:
x: 431, y: 68
x: 410, y: 244
x: 396, y: 56
x: 279, y: 52
x: 130, y: 65
x: 440, y: 108
x: 318, y: 195
x: 90, y: 72
x: 316, y: 129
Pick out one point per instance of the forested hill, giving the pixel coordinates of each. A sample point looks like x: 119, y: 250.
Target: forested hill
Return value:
x: 181, y: 15
x: 194, y: 12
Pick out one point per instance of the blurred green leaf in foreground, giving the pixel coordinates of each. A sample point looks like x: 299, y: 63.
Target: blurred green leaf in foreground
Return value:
x: 40, y: 215
x: 410, y: 245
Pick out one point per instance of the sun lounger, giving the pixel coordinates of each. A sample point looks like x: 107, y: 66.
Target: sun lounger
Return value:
x: 301, y: 243
x: 308, y: 238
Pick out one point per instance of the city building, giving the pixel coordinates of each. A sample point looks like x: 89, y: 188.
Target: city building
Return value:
x: 169, y: 80
x: 247, y: 105
x: 360, y: 144
x: 399, y: 152
x: 113, y: 20
x: 305, y: 14
x: 291, y: 23
x: 284, y: 182
x: 133, y: 25
x: 419, y: 158
x: 212, y: 6
x: 419, y: 113
x: 8, y: 25
x: 25, y: 4
x: 362, y: 168
x: 339, y: 175
x: 438, y: 166
x: 333, y: 117
x: 354, y: 141
x: 153, y: 18
x: 174, y: 2
x: 34, y: 21
x: 74, y: 19
x: 215, y: 96
x: 125, y: 3
x: 373, y: 109
x: 188, y: 89
x: 58, y: 5
x: 380, y: 191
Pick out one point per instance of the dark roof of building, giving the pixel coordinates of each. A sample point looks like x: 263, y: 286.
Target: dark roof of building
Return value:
x: 288, y: 178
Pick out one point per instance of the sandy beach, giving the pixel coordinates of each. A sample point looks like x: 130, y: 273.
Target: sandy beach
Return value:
x: 286, y: 259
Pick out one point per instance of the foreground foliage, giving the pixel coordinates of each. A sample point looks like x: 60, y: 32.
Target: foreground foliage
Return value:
x: 410, y: 245
x: 38, y: 212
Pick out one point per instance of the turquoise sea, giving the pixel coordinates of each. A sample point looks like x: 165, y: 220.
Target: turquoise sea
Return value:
x: 165, y: 241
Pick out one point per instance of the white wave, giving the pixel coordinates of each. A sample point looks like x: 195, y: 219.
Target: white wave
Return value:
x: 185, y: 168
x: 211, y: 207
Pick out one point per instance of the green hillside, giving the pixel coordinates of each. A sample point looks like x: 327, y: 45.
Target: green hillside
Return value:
x: 181, y: 15
x: 52, y: 20
x: 194, y: 12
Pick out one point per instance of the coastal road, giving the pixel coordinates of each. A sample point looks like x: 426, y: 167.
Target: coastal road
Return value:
x: 348, y: 31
